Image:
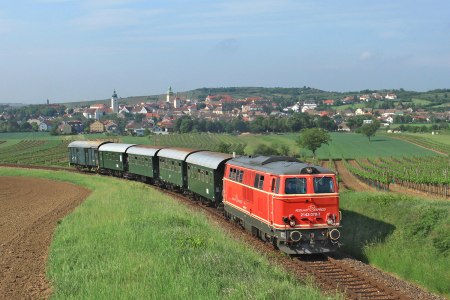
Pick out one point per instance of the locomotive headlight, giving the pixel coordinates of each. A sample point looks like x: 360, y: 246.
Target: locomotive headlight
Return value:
x: 331, y: 219
x: 292, y: 223
x: 285, y: 219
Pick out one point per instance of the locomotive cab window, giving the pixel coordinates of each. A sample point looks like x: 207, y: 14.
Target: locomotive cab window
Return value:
x: 323, y: 185
x: 295, y: 186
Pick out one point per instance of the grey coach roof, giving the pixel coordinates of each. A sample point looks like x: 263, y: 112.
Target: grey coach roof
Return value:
x: 87, y: 144
x: 207, y: 159
x: 144, y: 150
x: 278, y: 165
x: 176, y: 153
x: 114, y: 147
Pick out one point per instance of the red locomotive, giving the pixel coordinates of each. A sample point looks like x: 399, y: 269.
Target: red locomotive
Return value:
x: 292, y: 204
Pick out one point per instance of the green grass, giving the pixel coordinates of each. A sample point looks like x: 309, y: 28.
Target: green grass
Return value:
x: 420, y: 102
x: 401, y: 235
x: 128, y: 241
x: 342, y: 145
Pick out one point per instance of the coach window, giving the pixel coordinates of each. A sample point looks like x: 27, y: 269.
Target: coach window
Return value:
x: 241, y: 176
x: 323, y: 185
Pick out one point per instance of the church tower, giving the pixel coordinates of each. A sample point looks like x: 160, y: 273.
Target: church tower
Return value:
x: 114, y: 104
x: 169, y: 96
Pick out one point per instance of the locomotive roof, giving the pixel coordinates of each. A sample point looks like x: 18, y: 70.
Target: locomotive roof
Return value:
x: 87, y: 144
x: 115, y: 147
x: 207, y: 159
x: 144, y: 150
x: 277, y: 165
x: 176, y: 153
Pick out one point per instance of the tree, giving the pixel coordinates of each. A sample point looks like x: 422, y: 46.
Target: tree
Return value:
x: 370, y: 129
x: 313, y: 139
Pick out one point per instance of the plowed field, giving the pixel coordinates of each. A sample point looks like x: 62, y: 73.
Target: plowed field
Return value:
x: 29, y: 211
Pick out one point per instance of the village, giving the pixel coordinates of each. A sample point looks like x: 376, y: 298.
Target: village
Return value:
x: 159, y: 117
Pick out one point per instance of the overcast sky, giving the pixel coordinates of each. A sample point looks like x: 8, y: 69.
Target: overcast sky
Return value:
x: 75, y: 50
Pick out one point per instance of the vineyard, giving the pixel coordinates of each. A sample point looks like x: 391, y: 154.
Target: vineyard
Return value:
x: 35, y: 152
x: 424, y: 172
x: 212, y: 142
x: 427, y: 174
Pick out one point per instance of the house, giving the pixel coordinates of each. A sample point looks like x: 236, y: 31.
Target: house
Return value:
x: 309, y: 105
x: 348, y: 99
x: 328, y: 102
x: 359, y: 112
x: 77, y: 126
x: 364, y: 98
x: 97, y: 126
x: 218, y: 110
x: 111, y: 127
x: 97, y: 106
x: 390, y: 96
x: 343, y: 127
x: 126, y: 109
x: 45, y: 126
x: 92, y: 113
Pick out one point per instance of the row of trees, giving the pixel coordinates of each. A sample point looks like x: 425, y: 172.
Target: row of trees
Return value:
x: 293, y: 123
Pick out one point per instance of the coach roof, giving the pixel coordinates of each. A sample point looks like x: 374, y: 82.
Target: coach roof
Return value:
x: 87, y: 144
x: 207, y: 159
x: 113, y: 147
x: 176, y: 153
x: 277, y: 165
x: 144, y: 150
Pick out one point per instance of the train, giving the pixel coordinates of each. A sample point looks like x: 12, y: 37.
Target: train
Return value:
x: 291, y: 204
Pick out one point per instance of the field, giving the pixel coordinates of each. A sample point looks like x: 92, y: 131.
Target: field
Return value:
x: 403, y: 235
x: 31, y: 208
x: 130, y: 241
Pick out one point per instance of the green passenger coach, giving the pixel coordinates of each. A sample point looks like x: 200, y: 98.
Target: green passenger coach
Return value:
x: 112, y: 158
x: 205, y: 174
x: 84, y: 154
x: 142, y: 160
x: 172, y: 166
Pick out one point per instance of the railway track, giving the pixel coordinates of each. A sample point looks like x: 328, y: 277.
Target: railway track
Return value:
x: 330, y: 271
x: 335, y: 272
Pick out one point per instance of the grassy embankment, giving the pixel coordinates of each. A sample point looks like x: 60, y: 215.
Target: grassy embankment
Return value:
x: 129, y: 241
x: 401, y: 235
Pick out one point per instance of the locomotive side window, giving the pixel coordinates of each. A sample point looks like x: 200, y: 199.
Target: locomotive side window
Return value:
x: 259, y: 181
x: 273, y: 186
x: 241, y: 176
x: 295, y: 186
x: 323, y: 185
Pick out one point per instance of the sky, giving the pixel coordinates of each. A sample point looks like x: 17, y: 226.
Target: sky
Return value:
x: 79, y: 50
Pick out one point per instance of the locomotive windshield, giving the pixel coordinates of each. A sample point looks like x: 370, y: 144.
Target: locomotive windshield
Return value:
x: 295, y: 186
x: 323, y: 185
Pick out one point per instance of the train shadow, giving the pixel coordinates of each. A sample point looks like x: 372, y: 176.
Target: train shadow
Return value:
x: 359, y: 231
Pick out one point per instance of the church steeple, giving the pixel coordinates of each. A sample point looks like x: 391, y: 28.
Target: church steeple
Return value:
x: 114, y: 104
x: 169, y: 95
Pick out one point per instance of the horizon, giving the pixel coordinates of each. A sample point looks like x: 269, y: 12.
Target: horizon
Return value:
x: 72, y: 51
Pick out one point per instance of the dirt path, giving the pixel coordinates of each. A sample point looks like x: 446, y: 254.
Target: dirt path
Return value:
x: 30, y: 209
x: 349, y: 181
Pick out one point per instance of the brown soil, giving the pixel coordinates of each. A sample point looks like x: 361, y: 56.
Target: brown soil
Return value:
x: 30, y: 210
x: 349, y: 181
